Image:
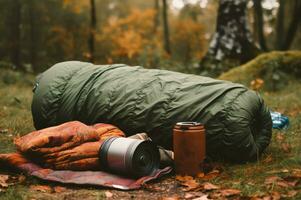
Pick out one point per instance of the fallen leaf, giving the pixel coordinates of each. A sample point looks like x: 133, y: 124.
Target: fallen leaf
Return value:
x: 229, y: 192
x: 183, y: 178
x: 211, y: 175
x: 109, y: 194
x: 41, y: 188
x: 275, y: 195
x: 296, y: 173
x: 190, y: 195
x: 256, y: 84
x: 276, y: 180
x: 204, y: 197
x: 251, y: 183
x: 290, y: 194
x: 59, y: 189
x: 188, y: 182
x: 190, y: 185
x: 286, y: 147
x: 279, y: 137
x: 278, y: 171
x: 170, y: 198
x: 152, y: 188
x: 21, y: 178
x: 286, y: 184
x: 215, y: 195
x: 3, y: 180
x: 210, y: 186
x: 272, y: 180
x: 268, y: 159
x: 200, y: 175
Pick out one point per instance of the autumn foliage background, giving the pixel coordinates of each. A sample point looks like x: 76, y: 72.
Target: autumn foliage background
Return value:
x: 54, y: 31
x: 37, y: 34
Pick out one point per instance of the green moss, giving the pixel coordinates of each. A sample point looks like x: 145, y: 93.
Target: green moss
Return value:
x: 275, y: 68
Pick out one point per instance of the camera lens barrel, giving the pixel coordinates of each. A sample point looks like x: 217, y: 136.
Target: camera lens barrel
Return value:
x: 130, y: 157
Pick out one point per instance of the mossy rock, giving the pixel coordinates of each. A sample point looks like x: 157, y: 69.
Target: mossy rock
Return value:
x: 276, y: 69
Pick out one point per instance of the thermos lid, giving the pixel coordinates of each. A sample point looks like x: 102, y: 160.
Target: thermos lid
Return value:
x: 189, y: 125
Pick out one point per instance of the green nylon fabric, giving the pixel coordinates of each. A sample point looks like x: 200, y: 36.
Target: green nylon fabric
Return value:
x: 238, y: 124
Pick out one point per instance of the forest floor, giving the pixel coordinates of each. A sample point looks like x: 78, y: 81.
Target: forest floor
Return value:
x: 277, y: 175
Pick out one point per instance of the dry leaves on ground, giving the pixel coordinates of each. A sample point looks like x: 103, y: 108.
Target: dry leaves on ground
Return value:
x: 279, y: 137
x: 4, y: 180
x: 268, y: 159
x: 229, y: 192
x: 41, y: 188
x: 170, y: 198
x: 210, y: 186
x: 48, y: 189
x: 189, y: 182
x: 193, y: 195
x: 7, y: 180
x: 286, y: 147
x: 211, y: 175
x: 296, y: 173
x: 204, y: 197
x: 59, y: 189
x: 191, y: 185
x: 256, y: 84
x: 271, y: 196
x: 224, y: 193
x: 109, y: 194
x: 278, y: 171
x: 276, y: 180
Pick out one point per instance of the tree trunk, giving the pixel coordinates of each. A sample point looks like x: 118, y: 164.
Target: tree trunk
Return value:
x: 293, y: 25
x: 166, y: 28
x: 14, y: 35
x: 157, y: 15
x: 32, y: 24
x: 231, y: 44
x: 280, y: 25
x: 92, y: 31
x: 258, y: 21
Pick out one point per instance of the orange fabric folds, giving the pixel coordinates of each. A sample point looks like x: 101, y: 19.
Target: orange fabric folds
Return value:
x: 69, y: 146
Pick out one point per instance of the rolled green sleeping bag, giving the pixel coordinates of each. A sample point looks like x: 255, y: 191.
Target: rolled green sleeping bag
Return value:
x: 238, y: 123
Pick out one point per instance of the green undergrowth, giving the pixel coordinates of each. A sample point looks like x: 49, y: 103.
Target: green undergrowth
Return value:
x: 276, y: 69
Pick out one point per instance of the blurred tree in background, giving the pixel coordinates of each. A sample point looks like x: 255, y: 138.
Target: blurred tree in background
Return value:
x: 232, y: 42
x: 170, y: 34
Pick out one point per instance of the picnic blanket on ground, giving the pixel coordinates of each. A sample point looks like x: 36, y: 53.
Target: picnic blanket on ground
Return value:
x: 57, y: 153
x: 238, y: 123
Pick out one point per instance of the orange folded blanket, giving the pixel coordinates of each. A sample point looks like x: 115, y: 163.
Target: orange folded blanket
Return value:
x: 70, y: 146
x: 68, y: 153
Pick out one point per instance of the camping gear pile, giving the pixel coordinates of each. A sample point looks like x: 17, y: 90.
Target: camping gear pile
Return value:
x: 237, y: 122
x: 71, y: 153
